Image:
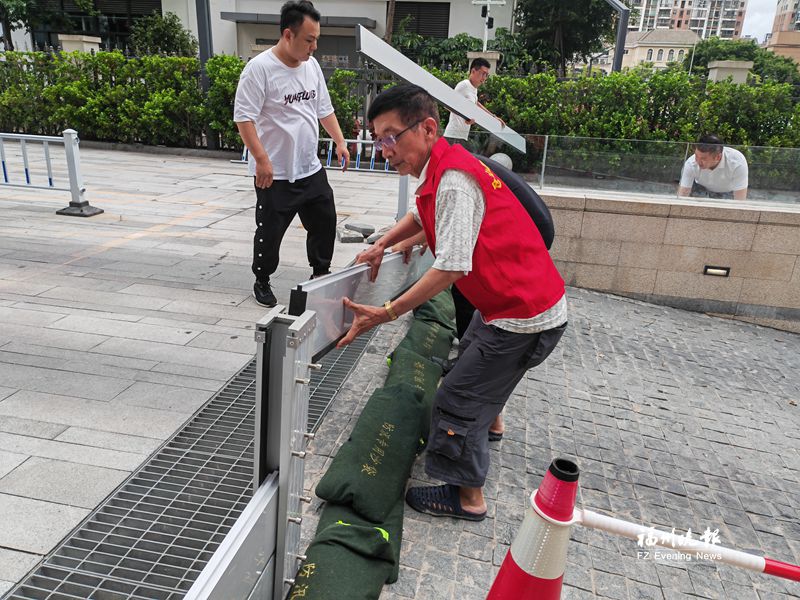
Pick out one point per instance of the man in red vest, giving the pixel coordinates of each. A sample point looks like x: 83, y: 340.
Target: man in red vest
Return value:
x: 486, y: 244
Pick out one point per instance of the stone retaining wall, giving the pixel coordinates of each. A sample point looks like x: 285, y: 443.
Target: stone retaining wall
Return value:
x: 657, y: 251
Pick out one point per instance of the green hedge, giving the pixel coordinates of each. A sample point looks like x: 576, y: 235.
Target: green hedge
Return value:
x: 158, y: 100
x: 105, y: 96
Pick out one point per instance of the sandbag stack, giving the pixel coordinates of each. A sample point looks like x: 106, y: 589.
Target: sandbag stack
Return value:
x: 356, y: 548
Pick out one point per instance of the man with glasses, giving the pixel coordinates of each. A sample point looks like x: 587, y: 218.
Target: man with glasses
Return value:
x: 281, y: 96
x: 457, y: 130
x: 487, y: 245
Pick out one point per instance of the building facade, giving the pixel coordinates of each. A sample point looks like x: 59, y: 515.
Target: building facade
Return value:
x: 246, y: 27
x: 707, y: 18
x: 658, y: 47
x: 785, y: 36
x: 787, y: 16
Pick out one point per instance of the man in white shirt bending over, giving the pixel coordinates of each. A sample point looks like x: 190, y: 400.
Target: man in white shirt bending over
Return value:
x: 457, y: 130
x: 281, y: 96
x: 714, y: 171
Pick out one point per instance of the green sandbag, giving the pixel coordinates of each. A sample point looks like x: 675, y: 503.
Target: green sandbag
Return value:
x: 439, y: 309
x: 344, y: 563
x: 339, y: 515
x: 428, y: 339
x: 370, y: 470
x: 409, y: 367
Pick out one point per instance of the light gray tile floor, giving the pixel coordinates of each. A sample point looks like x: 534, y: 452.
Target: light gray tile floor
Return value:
x: 114, y: 329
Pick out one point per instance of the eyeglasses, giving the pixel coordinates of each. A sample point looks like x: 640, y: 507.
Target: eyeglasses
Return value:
x: 390, y: 141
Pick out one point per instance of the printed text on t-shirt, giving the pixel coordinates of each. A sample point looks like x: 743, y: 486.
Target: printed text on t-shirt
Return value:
x: 304, y: 95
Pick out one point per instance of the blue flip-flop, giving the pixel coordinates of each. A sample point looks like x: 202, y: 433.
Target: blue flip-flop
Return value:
x: 440, y: 501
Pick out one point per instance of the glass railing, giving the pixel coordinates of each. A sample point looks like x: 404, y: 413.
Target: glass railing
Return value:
x: 583, y: 165
x: 636, y: 166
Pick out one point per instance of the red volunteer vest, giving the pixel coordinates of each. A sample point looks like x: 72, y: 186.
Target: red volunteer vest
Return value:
x: 512, y: 274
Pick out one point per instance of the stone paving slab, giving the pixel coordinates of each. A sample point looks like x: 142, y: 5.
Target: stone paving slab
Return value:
x: 35, y: 526
x: 14, y: 565
x: 62, y: 482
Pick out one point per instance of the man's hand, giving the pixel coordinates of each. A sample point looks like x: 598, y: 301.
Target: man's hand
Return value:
x: 343, y: 155
x: 264, y: 172
x: 365, y: 318
x: 407, y: 249
x: 373, y: 256
x: 469, y: 121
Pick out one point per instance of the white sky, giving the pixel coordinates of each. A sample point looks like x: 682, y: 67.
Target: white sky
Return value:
x: 759, y: 17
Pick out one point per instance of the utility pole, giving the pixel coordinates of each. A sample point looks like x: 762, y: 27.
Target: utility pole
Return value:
x: 387, y: 37
x: 206, y: 50
x: 622, y: 32
x: 488, y: 19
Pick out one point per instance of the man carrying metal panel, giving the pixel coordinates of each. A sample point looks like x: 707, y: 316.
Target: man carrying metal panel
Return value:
x: 487, y: 245
x: 457, y: 130
x: 281, y: 96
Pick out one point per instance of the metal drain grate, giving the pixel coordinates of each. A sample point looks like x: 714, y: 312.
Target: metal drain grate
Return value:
x: 325, y: 383
x: 151, y: 539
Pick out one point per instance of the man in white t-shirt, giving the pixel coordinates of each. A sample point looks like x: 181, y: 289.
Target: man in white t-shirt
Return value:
x: 714, y: 171
x: 281, y: 97
x: 457, y: 130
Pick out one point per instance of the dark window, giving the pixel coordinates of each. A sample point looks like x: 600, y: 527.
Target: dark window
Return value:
x: 112, y: 23
x: 429, y: 19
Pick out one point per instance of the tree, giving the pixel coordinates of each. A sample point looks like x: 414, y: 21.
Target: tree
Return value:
x: 27, y: 14
x: 558, y: 32
x: 159, y: 34
x: 450, y: 51
x: 514, y: 56
x: 407, y: 42
x: 766, y: 65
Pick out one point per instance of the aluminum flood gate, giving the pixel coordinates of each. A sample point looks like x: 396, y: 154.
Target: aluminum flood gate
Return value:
x: 259, y: 557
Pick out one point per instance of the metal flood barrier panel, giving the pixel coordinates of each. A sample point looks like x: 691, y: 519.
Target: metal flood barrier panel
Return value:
x: 260, y: 556
x: 374, y: 48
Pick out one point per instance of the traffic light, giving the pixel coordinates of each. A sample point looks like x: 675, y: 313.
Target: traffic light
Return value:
x: 489, y: 22
x: 484, y: 11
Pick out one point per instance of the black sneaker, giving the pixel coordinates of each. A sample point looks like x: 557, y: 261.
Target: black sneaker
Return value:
x: 262, y: 292
x: 318, y: 275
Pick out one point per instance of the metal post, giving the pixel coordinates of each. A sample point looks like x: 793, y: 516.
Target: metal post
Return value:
x: 3, y: 161
x: 49, y: 164
x: 544, y: 162
x: 206, y: 51
x: 486, y: 26
x: 293, y: 334
x: 402, y: 198
x: 23, y: 146
x: 282, y: 392
x: 622, y: 32
x: 78, y: 206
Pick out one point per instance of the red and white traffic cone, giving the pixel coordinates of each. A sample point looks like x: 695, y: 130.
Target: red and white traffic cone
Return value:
x: 534, y: 565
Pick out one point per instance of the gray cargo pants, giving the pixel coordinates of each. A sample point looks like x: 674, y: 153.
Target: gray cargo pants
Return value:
x: 491, y: 363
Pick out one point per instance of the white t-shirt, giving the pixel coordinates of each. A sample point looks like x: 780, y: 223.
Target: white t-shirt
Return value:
x: 456, y: 127
x: 285, y: 104
x: 729, y: 175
